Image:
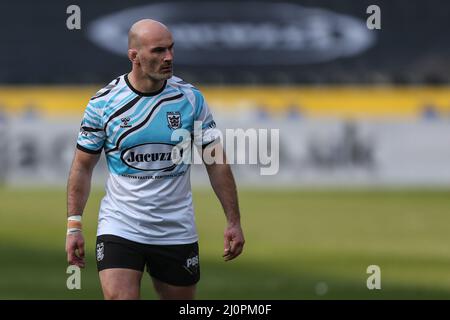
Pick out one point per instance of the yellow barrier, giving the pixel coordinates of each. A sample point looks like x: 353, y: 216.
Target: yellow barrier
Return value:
x: 339, y: 101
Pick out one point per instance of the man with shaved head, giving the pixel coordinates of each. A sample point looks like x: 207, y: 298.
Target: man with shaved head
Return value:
x: 146, y: 218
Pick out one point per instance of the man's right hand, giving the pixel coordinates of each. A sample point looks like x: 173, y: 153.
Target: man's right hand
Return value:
x: 75, y: 249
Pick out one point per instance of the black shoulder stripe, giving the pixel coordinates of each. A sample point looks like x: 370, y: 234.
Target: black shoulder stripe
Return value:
x: 88, y: 129
x: 100, y: 95
x: 89, y: 150
x: 125, y: 108
x: 143, y: 122
x: 211, y: 143
x: 108, y: 89
x: 184, y: 82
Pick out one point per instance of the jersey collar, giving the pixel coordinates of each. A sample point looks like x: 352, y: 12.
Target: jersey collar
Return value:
x: 145, y: 94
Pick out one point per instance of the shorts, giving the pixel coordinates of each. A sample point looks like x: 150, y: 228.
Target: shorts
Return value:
x: 177, y: 265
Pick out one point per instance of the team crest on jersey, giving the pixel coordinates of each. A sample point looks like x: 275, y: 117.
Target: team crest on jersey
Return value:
x: 100, y: 251
x: 174, y: 120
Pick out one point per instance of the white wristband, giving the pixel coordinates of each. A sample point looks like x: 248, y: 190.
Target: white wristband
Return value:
x: 73, y: 230
x: 74, y: 218
x: 74, y: 224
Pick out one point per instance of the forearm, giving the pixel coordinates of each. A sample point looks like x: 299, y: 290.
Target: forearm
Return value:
x: 223, y: 184
x: 78, y: 189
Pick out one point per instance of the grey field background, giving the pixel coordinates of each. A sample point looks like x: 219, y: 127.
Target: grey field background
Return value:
x: 300, y: 245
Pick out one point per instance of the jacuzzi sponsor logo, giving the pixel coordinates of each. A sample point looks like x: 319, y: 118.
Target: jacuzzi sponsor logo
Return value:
x: 152, y: 156
x: 244, y: 33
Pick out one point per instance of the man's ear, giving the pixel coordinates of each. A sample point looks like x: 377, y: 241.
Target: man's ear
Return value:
x: 133, y: 55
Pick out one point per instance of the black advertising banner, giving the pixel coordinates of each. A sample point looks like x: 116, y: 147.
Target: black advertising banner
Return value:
x: 321, y: 41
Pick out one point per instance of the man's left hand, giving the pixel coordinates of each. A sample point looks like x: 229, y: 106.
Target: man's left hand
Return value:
x: 233, y: 241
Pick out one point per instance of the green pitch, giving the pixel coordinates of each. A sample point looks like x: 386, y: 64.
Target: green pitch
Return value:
x: 300, y: 245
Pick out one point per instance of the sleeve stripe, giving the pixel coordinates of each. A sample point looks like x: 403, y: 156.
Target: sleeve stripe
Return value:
x: 96, y: 105
x: 90, y: 123
x: 210, y: 143
x: 93, y: 115
x: 89, y: 129
x: 79, y: 147
x: 84, y: 140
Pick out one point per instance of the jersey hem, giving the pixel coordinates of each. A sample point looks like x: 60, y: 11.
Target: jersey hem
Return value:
x: 147, y: 240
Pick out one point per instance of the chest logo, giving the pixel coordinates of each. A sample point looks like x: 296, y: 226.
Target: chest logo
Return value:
x: 174, y: 120
x: 152, y: 156
x: 125, y: 122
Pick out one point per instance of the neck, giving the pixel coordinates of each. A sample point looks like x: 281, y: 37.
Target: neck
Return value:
x: 143, y: 83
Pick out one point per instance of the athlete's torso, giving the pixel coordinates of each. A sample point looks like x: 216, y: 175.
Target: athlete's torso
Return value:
x: 148, y: 194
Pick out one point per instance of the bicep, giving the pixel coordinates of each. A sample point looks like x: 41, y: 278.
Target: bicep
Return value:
x: 85, y: 160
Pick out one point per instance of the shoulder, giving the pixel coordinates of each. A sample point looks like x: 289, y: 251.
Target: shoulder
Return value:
x: 192, y: 93
x: 104, y: 94
x: 180, y: 84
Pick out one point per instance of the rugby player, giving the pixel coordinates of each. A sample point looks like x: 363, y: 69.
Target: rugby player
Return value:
x: 146, y: 217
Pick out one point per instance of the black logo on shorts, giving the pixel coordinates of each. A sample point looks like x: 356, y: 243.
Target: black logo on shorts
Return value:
x: 174, y: 120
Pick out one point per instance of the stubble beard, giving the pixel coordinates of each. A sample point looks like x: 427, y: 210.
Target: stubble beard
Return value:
x: 159, y: 76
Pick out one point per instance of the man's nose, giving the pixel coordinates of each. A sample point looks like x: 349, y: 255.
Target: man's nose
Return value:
x: 168, y: 55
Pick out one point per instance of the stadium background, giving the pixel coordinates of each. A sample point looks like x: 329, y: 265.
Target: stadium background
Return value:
x: 364, y: 119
